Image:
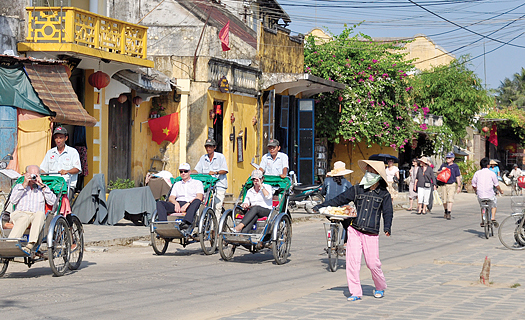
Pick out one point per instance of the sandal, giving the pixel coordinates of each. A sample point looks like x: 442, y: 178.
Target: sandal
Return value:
x: 482, y: 224
x: 354, y: 298
x: 379, y: 293
x: 495, y: 223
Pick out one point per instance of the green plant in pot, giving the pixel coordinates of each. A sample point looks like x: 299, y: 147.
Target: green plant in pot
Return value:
x: 121, y: 184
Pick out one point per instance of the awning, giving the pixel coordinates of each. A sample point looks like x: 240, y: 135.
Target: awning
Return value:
x: 16, y: 91
x: 296, y: 83
x: 51, y: 83
x: 144, y: 80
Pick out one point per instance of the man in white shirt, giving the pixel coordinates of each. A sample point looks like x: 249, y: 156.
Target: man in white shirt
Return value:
x: 186, y: 196
x: 62, y: 160
x: 30, y: 198
x: 258, y: 199
x: 214, y: 164
x: 274, y: 163
x: 516, y: 172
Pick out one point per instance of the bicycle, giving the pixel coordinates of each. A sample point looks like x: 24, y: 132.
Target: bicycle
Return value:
x: 515, y: 189
x: 511, y: 232
x: 486, y: 217
x: 335, y: 239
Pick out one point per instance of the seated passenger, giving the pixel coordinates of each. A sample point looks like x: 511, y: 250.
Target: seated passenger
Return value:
x: 258, y: 199
x: 30, y: 198
x: 186, y: 196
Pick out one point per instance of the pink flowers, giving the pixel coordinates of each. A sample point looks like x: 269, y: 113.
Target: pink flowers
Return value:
x: 408, y: 89
x: 425, y: 110
x: 358, y: 100
x: 415, y: 107
x: 340, y: 98
x: 385, y: 75
x: 371, y: 78
x: 386, y: 124
x: 375, y: 61
x: 394, y: 65
x: 397, y: 128
x: 423, y: 126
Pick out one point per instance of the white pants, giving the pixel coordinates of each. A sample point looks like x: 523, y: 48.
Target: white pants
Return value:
x: 423, y: 195
x: 22, y: 220
x: 220, y: 193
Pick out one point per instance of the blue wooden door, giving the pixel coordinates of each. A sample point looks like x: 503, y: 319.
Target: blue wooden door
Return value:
x: 305, y: 137
x: 8, y: 130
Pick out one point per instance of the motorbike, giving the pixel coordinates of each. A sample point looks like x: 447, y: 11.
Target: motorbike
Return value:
x: 305, y: 196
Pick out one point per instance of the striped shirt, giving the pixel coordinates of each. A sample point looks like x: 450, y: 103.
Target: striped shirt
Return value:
x: 32, y: 200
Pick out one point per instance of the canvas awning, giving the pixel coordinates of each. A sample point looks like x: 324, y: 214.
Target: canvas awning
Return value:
x: 16, y: 91
x: 304, y: 83
x: 144, y: 81
x: 51, y: 83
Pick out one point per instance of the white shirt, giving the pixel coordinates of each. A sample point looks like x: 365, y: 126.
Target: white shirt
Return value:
x: 187, y: 191
x: 218, y: 163
x: 67, y: 160
x: 390, y: 173
x: 258, y: 199
x: 516, y: 173
x: 274, y: 167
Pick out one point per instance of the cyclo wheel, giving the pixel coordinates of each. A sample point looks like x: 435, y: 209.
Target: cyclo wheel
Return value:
x: 486, y: 222
x: 226, y: 250
x: 313, y: 201
x: 281, y: 246
x: 159, y: 245
x: 208, y: 236
x: 58, y: 253
x: 77, y: 244
x: 510, y: 232
x: 333, y: 255
x: 5, y: 264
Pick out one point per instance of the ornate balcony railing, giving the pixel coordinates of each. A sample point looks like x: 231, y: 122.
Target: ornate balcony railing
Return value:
x: 83, y: 28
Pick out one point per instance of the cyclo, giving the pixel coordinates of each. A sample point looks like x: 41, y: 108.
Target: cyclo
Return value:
x: 274, y: 231
x: 60, y: 243
x: 203, y: 229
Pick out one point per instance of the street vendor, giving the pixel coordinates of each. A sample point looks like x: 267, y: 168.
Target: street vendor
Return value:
x: 372, y: 200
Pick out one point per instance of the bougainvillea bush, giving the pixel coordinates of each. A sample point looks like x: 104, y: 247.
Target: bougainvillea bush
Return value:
x: 374, y: 106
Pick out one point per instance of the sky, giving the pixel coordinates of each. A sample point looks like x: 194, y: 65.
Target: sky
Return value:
x: 491, y: 31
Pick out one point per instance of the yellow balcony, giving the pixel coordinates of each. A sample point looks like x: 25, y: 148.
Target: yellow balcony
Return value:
x: 77, y: 31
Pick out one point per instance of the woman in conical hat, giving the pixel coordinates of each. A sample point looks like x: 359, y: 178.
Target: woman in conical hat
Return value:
x: 372, y: 201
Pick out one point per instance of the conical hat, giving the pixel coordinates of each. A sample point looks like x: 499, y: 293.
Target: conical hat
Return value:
x: 378, y: 166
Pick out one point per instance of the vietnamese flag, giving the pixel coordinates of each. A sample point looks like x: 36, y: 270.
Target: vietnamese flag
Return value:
x: 224, y: 35
x: 164, y: 128
x: 493, y: 138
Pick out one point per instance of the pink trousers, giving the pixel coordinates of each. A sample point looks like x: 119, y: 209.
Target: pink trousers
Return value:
x: 368, y: 244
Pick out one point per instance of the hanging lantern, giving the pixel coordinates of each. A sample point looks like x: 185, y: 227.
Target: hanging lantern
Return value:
x: 99, y: 80
x: 137, y: 100
x: 122, y: 98
x: 485, y: 129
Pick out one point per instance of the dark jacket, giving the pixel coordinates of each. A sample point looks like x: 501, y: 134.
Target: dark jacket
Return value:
x: 370, y: 205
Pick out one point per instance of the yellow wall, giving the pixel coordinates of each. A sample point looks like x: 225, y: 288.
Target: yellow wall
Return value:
x: 244, y: 109
x: 89, y: 105
x: 81, y: 4
x: 350, y: 153
x: 279, y: 54
x: 426, y: 53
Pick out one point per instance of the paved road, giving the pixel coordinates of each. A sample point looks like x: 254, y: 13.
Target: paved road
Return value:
x: 431, y: 265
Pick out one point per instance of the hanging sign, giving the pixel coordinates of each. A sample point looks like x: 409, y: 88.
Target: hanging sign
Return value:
x: 224, y: 86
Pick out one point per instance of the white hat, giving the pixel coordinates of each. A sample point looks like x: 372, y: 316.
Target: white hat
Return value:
x: 339, y: 170
x: 257, y: 174
x: 184, y: 166
x: 378, y: 166
x: 425, y: 160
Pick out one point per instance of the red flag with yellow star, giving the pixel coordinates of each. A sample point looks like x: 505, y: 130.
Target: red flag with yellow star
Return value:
x: 164, y: 128
x: 493, y: 138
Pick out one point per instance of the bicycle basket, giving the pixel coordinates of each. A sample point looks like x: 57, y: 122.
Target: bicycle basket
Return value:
x: 517, y: 203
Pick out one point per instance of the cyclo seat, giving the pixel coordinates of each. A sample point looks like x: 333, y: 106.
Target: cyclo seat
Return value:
x: 306, y: 187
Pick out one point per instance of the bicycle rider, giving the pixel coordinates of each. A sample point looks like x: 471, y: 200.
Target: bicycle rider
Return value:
x: 484, y: 182
x: 514, y: 175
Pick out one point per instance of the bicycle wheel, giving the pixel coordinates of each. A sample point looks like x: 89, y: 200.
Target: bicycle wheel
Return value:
x: 159, y: 245
x: 77, y: 246
x: 4, y: 264
x: 281, y: 246
x: 58, y: 254
x: 511, y: 233
x: 208, y: 236
x: 333, y: 255
x: 486, y: 221
x: 226, y: 250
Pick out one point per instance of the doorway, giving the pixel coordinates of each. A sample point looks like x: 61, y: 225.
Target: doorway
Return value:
x: 218, y: 108
x: 119, y: 139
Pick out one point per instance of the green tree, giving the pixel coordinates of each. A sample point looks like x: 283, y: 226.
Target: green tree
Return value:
x: 452, y: 91
x: 373, y: 107
x: 512, y: 92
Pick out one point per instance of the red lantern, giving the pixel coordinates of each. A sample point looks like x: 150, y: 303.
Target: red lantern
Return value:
x: 99, y: 80
x: 485, y: 129
x: 137, y: 100
x: 122, y: 98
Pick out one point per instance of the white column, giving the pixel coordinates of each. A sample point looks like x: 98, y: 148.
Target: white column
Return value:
x: 184, y: 86
x: 93, y: 6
